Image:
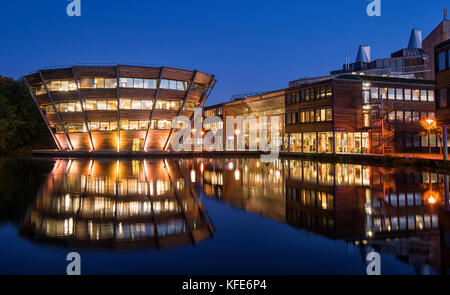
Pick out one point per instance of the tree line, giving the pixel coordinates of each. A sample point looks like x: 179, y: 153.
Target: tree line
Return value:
x: 21, y: 126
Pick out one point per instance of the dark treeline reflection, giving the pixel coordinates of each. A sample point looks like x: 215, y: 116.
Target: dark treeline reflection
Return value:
x: 156, y: 203
x: 386, y: 210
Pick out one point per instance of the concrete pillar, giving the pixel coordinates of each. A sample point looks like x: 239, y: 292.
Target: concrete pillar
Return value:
x: 446, y: 192
x: 444, y: 142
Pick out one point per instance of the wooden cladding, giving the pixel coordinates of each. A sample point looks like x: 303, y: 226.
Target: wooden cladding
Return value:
x: 138, y: 72
x: 120, y: 140
x: 86, y: 71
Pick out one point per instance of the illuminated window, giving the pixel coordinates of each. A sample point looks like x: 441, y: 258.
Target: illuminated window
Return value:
x: 136, y: 104
x: 391, y: 93
x: 149, y: 84
x: 408, y: 117
x: 93, y: 126
x: 99, y: 83
x: 423, y: 95
x: 408, y: 94
x: 90, y: 105
x: 87, y: 83
x: 112, y: 105
x: 431, y: 95
x: 147, y: 104
x: 374, y: 93
x: 125, y: 104
x: 126, y: 82
x: 416, y: 93
x: 102, y: 105
x: 399, y: 94
x: 110, y: 83
x: 104, y: 126
x: 134, y: 125
x: 138, y: 83
x: 124, y: 124
x: 383, y: 93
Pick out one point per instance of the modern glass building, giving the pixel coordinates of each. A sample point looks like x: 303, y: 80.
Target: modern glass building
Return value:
x: 116, y: 108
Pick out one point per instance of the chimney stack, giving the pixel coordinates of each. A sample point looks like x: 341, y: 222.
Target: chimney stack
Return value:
x: 363, y: 54
x: 415, y: 41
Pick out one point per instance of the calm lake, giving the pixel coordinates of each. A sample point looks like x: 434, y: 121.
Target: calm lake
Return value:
x: 219, y: 216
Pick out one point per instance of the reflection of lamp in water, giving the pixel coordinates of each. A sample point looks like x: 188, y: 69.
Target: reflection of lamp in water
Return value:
x: 193, y: 175
x: 230, y: 165
x: 431, y: 200
x: 237, y: 174
x: 202, y: 168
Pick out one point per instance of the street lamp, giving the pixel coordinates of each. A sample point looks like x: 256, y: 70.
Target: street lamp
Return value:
x: 430, y: 123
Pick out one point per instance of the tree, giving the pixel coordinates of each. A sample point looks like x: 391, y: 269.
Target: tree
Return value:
x: 21, y: 126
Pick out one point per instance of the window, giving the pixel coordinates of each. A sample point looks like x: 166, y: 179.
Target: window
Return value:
x: 112, y: 105
x: 110, y: 83
x: 104, y: 126
x: 133, y: 125
x: 399, y: 116
x: 90, y: 105
x: 408, y: 117
x: 147, y: 104
x: 366, y: 120
x: 431, y: 95
x: 329, y: 91
x: 149, y: 84
x: 442, y: 98
x: 125, y: 104
x: 164, y: 84
x: 87, y: 83
x: 366, y: 96
x: 407, y: 94
x: 126, y: 82
x: 136, y: 104
x: 441, y: 61
x: 138, y: 83
x: 399, y: 95
x: 416, y: 94
x: 102, y: 105
x: 374, y: 93
x: 181, y: 85
x: 99, y: 83
x: 391, y: 117
x: 423, y: 95
x: 329, y: 114
x: 391, y: 93
x: 383, y: 93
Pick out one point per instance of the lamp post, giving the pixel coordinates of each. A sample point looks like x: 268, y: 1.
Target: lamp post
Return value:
x: 430, y: 124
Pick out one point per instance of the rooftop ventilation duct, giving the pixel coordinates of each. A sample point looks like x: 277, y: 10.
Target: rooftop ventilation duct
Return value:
x: 415, y: 41
x: 363, y: 54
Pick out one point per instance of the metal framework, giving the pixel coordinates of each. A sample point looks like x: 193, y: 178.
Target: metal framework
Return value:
x: 82, y: 109
x: 47, y: 123
x: 69, y: 142
x: 155, y: 98
x: 188, y: 91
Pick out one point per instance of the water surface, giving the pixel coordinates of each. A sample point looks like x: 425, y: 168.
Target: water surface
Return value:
x: 219, y: 216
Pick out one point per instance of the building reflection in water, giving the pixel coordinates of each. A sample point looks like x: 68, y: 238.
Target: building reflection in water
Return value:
x: 118, y: 204
x: 385, y: 210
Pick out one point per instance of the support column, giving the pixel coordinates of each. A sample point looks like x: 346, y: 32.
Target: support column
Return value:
x: 88, y: 128
x: 444, y: 142
x: 69, y: 143
x: 118, y: 107
x: 186, y: 96
x: 155, y: 98
x: 47, y: 123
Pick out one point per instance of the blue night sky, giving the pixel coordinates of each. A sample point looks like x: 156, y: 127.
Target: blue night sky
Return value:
x: 249, y: 45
